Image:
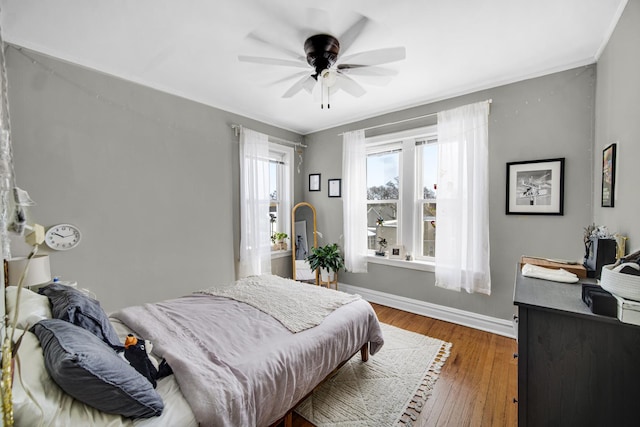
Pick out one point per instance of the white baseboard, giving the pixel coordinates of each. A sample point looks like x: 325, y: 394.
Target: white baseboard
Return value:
x: 448, y: 314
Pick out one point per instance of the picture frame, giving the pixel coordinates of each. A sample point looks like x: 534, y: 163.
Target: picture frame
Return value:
x: 335, y: 188
x: 396, y: 252
x: 535, y: 187
x: 608, y: 176
x: 314, y: 182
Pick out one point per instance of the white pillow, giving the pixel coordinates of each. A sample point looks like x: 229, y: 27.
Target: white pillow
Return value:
x: 33, y: 307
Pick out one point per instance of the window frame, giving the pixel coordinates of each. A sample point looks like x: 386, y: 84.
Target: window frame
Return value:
x: 283, y: 155
x: 410, y: 202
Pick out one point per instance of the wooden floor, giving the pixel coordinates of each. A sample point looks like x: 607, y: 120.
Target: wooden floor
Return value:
x: 478, y: 382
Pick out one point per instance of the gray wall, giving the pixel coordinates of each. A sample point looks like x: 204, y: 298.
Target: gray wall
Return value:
x: 151, y: 179
x: 618, y: 120
x: 541, y: 118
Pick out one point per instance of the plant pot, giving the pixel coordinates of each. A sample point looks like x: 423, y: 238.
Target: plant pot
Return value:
x: 327, y: 275
x: 279, y: 246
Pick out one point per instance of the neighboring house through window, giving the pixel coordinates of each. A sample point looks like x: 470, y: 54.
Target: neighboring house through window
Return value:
x: 280, y: 188
x: 401, y: 191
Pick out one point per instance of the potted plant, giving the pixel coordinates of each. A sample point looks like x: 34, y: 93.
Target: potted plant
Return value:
x: 382, y: 242
x: 328, y: 259
x: 278, y: 240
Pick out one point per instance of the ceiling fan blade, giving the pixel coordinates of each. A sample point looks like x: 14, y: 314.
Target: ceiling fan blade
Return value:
x: 273, y: 61
x: 373, y: 57
x: 264, y: 41
x: 309, y: 84
x: 351, y: 34
x: 297, y: 75
x: 377, y: 76
x: 301, y: 84
x: 375, y: 80
x: 367, y: 71
x: 349, y: 85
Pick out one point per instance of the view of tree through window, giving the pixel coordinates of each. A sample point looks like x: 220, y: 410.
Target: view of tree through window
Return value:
x: 428, y: 158
x: 280, y: 188
x: 403, y: 212
x: 273, y: 193
x: 383, y: 195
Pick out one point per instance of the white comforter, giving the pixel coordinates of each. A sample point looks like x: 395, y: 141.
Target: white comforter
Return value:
x: 238, y: 366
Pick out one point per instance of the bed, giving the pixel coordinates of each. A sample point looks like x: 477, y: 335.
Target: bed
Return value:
x: 244, y: 353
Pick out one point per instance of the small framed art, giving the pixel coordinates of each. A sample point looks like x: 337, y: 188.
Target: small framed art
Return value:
x: 335, y: 187
x: 314, y: 182
x: 608, y: 176
x: 535, y: 187
x: 396, y: 252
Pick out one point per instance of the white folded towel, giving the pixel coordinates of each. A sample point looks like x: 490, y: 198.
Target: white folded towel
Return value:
x: 559, y: 275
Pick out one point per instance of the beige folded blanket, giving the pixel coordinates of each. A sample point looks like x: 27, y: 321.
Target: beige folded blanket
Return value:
x: 298, y: 306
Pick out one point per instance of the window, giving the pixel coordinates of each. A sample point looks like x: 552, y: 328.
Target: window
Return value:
x: 280, y: 188
x: 427, y: 186
x: 401, y: 191
x: 383, y: 195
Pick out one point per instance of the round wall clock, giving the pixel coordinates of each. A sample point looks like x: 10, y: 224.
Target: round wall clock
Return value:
x: 62, y: 237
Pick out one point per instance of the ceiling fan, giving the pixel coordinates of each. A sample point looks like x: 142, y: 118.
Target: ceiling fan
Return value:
x: 330, y: 71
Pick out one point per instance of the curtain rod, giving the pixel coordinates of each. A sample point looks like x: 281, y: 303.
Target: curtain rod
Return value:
x: 405, y: 120
x: 237, y: 128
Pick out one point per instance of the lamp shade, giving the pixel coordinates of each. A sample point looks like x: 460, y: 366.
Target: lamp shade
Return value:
x: 39, y: 271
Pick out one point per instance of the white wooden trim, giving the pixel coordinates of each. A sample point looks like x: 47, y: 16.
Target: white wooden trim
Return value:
x: 465, y: 318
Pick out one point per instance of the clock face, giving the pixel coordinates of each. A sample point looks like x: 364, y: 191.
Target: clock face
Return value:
x: 62, y: 237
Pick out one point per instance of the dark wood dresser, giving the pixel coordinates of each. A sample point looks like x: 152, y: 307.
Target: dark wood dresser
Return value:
x: 575, y: 368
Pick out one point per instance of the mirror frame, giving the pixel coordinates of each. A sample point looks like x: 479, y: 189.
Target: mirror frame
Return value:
x: 293, y: 233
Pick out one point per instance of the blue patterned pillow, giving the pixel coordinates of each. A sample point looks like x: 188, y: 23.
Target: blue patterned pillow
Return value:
x: 80, y: 309
x: 92, y: 372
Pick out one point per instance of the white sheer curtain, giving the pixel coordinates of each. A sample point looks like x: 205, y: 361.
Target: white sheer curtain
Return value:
x: 255, y: 249
x: 462, y: 218
x: 354, y: 201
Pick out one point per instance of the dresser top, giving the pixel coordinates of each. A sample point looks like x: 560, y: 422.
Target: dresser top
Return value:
x: 557, y: 296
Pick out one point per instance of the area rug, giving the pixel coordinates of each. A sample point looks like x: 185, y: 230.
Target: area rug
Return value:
x: 390, y: 389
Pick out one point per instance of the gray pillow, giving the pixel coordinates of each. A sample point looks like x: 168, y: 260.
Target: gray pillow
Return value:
x: 80, y: 309
x: 89, y: 370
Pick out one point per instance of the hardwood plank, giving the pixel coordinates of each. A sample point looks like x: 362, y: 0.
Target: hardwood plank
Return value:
x: 477, y: 383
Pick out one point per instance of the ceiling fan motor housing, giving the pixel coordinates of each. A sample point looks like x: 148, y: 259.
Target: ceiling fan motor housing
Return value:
x: 322, y: 52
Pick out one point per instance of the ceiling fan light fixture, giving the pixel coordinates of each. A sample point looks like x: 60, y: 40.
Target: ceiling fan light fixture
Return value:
x: 329, y: 77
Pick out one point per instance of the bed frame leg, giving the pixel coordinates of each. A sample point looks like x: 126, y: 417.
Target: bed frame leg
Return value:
x: 288, y: 419
x: 364, y: 352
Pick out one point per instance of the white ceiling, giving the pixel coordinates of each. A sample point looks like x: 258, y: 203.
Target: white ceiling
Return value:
x: 190, y: 48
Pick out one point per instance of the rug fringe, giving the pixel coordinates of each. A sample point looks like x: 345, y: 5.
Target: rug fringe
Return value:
x: 425, y: 388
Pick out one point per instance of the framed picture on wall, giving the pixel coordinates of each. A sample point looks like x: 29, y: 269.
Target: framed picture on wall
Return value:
x: 608, y: 176
x: 535, y: 187
x: 335, y: 187
x: 314, y: 182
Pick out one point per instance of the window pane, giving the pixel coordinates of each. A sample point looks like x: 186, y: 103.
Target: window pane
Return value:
x: 273, y: 180
x: 429, y: 156
x: 273, y: 217
x: 429, y: 229
x: 382, y: 223
x: 383, y: 176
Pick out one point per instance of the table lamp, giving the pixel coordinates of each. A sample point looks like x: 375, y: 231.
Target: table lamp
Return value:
x: 39, y: 271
